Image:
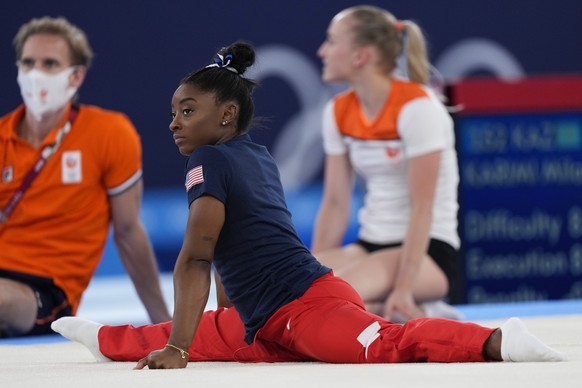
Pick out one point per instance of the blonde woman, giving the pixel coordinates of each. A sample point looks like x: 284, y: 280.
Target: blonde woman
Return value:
x: 397, y: 135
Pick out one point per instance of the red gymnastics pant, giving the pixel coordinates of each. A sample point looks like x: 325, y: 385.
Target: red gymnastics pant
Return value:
x: 328, y: 323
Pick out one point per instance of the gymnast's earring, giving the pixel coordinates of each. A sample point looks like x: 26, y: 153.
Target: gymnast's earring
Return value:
x: 224, y: 123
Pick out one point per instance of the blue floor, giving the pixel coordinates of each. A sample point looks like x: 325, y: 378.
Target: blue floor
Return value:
x: 33, y: 340
x: 476, y: 312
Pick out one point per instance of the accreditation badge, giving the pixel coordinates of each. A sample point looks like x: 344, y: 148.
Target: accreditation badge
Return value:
x: 71, y: 167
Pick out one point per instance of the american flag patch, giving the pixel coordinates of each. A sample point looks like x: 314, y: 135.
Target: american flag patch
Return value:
x: 194, y: 177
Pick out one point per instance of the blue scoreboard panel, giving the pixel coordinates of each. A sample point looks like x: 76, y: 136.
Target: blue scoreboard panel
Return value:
x: 521, y: 200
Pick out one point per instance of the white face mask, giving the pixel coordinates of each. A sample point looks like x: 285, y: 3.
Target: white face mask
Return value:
x: 45, y: 93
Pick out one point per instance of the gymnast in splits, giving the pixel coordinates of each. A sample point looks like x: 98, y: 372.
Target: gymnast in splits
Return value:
x: 286, y: 305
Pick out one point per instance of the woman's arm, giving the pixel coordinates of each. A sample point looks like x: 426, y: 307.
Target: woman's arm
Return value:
x: 422, y: 178
x: 191, y: 281
x: 334, y: 213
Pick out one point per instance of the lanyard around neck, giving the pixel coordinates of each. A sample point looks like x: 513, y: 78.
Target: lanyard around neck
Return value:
x: 45, y: 154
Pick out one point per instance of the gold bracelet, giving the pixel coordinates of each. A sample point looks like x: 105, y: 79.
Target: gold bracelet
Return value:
x: 183, y: 353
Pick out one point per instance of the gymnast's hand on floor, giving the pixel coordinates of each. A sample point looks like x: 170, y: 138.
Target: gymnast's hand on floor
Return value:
x: 166, y: 358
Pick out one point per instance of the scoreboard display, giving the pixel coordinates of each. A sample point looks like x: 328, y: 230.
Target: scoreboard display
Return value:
x: 520, y: 159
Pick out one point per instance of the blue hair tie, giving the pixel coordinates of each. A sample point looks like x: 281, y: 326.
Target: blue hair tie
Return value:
x: 223, y: 62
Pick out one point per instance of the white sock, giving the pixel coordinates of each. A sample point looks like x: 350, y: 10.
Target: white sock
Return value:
x: 82, y: 331
x: 518, y: 344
